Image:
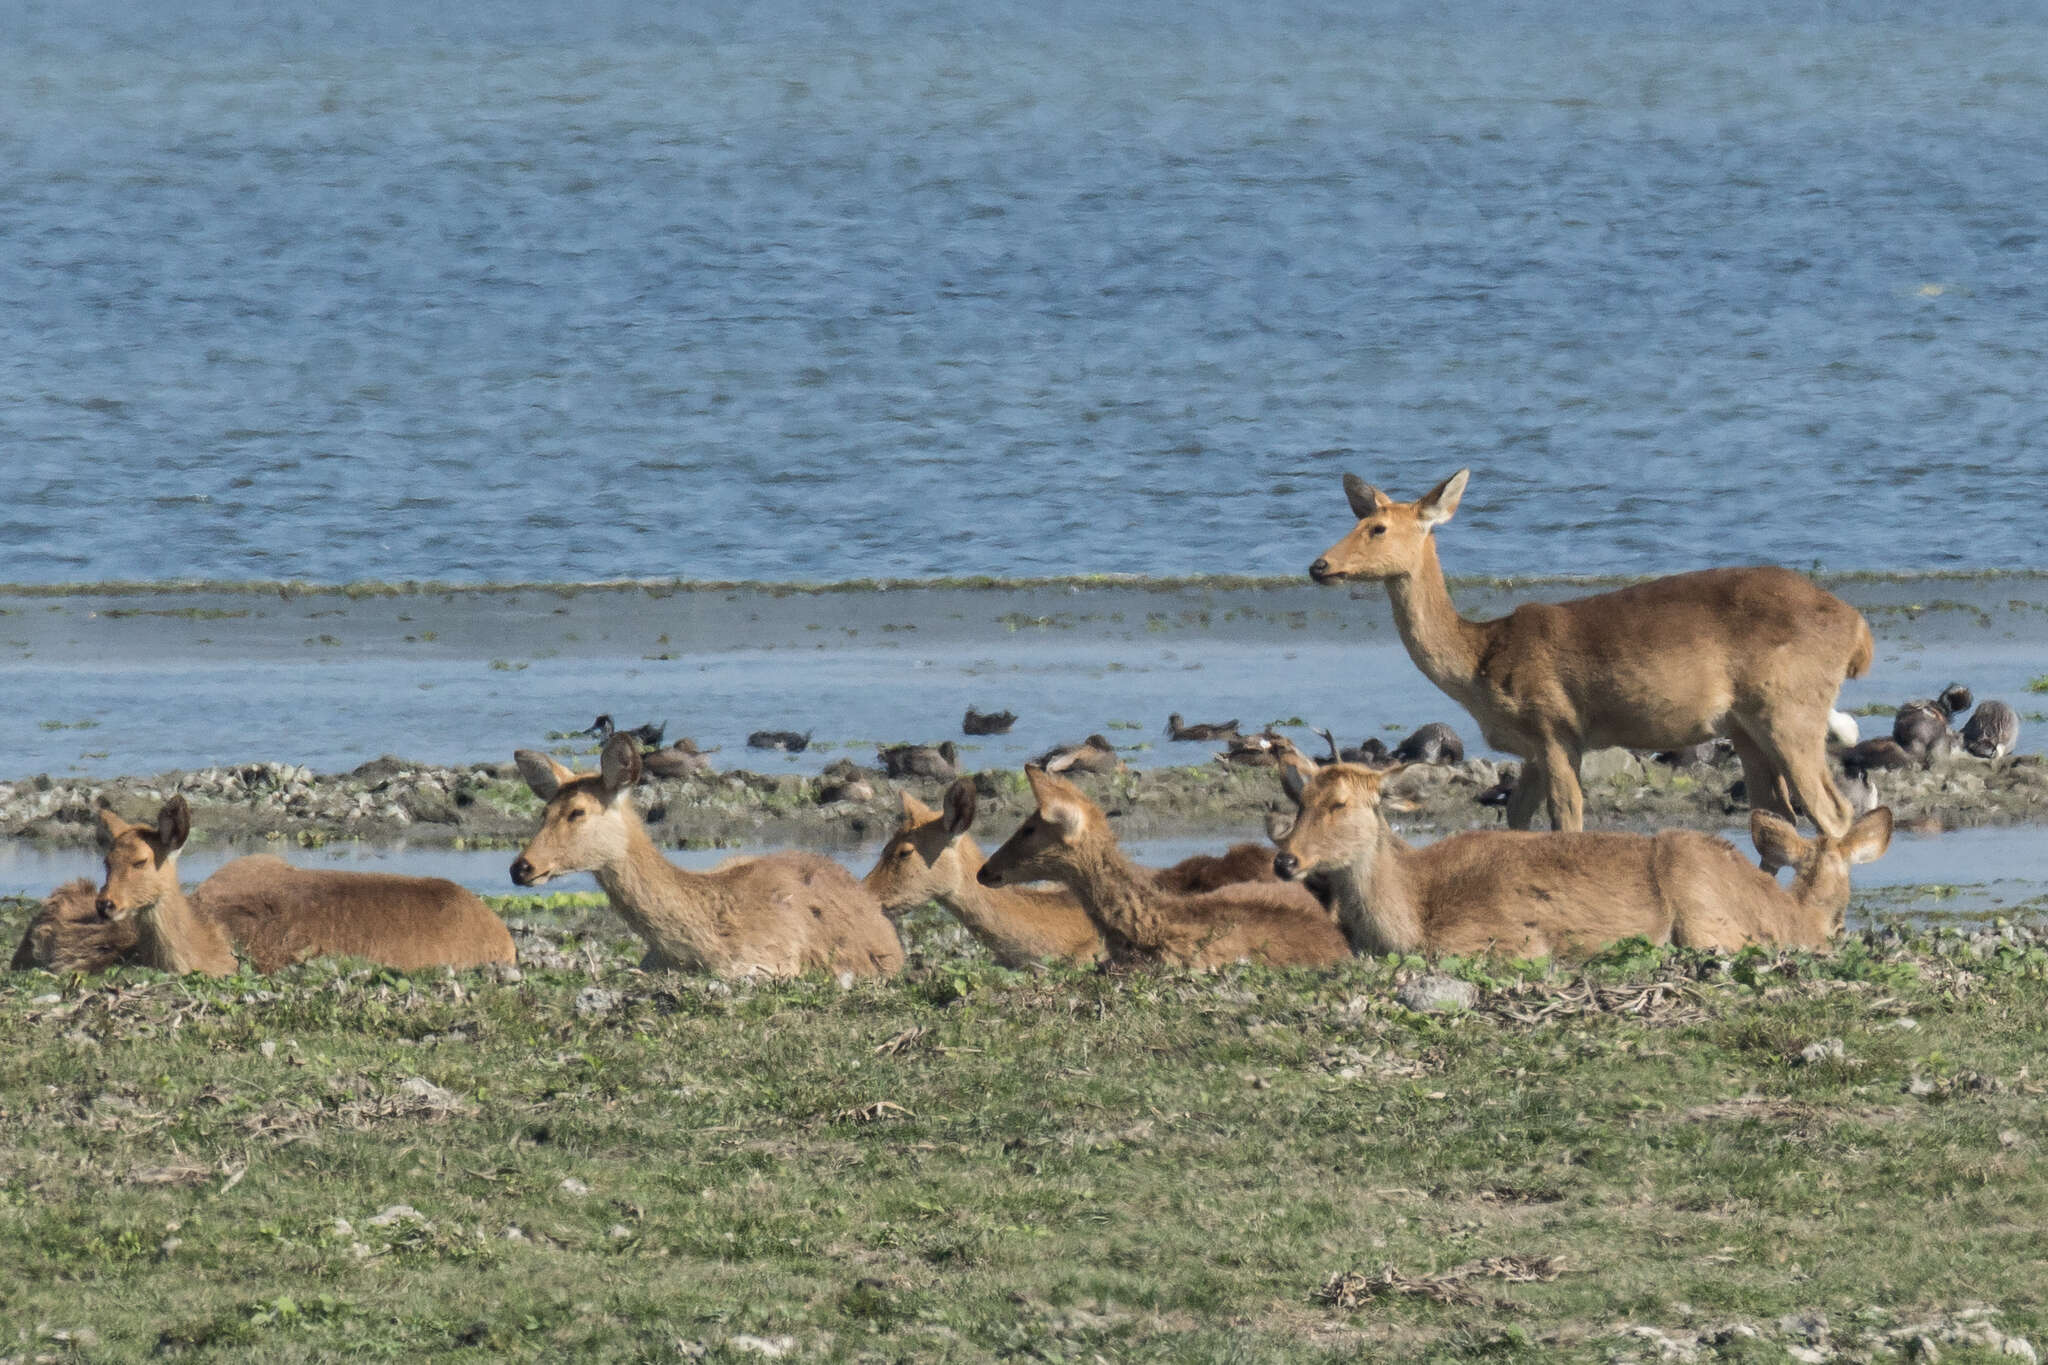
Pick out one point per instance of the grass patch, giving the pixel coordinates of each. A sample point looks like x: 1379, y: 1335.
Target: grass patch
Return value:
x: 970, y: 1163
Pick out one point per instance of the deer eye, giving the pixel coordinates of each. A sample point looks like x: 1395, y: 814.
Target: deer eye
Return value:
x: 1339, y: 804
x: 574, y: 814
x: 1379, y: 530
x: 903, y: 852
x: 140, y: 862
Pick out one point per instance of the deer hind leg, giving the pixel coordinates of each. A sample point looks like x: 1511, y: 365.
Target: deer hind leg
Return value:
x: 1766, y: 785
x: 1531, y: 786
x: 1799, y: 751
x: 1562, y: 796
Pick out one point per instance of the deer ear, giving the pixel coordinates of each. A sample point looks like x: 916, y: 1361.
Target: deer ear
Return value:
x: 960, y: 805
x: 112, y: 827
x: 1066, y: 817
x: 1777, y: 841
x: 1365, y: 499
x: 1435, y: 507
x: 618, y: 766
x: 914, y: 810
x: 174, y: 824
x: 543, y: 775
x: 1279, y: 824
x: 1293, y: 782
x: 1869, y: 837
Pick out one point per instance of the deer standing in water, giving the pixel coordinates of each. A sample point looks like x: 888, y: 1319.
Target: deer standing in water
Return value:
x: 1539, y: 895
x: 777, y: 915
x: 1756, y: 655
x: 279, y: 915
x: 1068, y: 840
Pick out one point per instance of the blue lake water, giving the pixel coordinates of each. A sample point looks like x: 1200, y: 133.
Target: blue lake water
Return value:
x: 525, y: 291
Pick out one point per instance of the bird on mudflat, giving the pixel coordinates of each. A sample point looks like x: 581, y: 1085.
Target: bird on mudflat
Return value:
x: 789, y: 741
x: 1992, y: 730
x: 1092, y: 755
x: 1370, y: 752
x: 680, y: 759
x: 1923, y: 727
x: 940, y: 761
x: 648, y: 735
x: 1435, y: 742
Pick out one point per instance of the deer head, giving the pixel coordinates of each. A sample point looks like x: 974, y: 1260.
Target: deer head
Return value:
x: 922, y: 859
x: 588, y: 820
x: 1390, y: 536
x: 1336, y: 818
x: 141, y: 861
x: 1045, y: 845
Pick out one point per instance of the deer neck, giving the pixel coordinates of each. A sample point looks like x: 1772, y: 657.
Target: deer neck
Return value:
x: 1117, y: 894
x: 176, y: 938
x: 978, y: 907
x: 669, y: 907
x: 1443, y: 644
x: 1375, y: 899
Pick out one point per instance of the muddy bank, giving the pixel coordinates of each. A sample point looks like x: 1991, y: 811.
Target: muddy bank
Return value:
x: 487, y: 805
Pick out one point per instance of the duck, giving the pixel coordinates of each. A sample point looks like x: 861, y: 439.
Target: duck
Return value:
x: 940, y: 762
x: 844, y: 780
x: 1877, y: 752
x: 680, y: 759
x: 1435, y: 742
x: 648, y: 735
x: 1092, y: 755
x: 1176, y: 729
x: 1263, y: 750
x: 1371, y: 751
x: 789, y: 741
x: 987, y: 722
x: 1499, y: 793
x: 1992, y: 730
x: 1923, y: 727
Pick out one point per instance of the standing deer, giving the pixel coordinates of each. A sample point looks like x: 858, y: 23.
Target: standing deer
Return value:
x: 1755, y: 655
x: 777, y: 915
x: 1068, y: 840
x: 1539, y: 895
x: 280, y: 915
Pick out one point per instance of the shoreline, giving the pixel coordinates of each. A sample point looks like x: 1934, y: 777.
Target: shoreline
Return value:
x: 486, y: 805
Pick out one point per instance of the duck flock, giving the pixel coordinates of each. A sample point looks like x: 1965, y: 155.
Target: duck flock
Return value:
x: 1740, y: 666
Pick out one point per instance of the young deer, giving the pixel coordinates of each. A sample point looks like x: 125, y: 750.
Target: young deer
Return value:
x: 280, y: 915
x: 1068, y: 840
x: 1756, y: 655
x: 930, y: 857
x: 776, y: 915
x: 1539, y: 895
x: 68, y: 934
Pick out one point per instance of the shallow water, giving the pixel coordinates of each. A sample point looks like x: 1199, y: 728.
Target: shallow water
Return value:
x: 1922, y: 877
x: 114, y: 685
x: 519, y: 290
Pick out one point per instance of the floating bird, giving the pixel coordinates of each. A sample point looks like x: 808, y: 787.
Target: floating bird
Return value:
x: 1992, y: 730
x: 1370, y: 751
x: 1175, y: 729
x: 789, y: 741
x: 1435, y: 742
x: 680, y: 759
x: 921, y: 760
x: 1092, y: 755
x: 987, y: 722
x: 648, y: 735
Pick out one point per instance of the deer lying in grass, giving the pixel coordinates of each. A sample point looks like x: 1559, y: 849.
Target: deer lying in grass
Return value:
x: 1540, y: 895
x: 1068, y: 840
x: 776, y: 915
x: 1756, y: 655
x: 280, y: 915
x: 931, y: 858
x: 68, y: 934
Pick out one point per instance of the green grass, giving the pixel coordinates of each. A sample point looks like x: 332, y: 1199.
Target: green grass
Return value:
x: 971, y: 1163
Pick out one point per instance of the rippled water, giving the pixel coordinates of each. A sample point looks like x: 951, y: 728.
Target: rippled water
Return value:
x: 529, y: 291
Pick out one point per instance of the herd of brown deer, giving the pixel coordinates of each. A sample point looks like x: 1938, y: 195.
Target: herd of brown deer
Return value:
x: 1755, y: 656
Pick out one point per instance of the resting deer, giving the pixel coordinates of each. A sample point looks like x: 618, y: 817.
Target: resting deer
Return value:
x: 68, y: 934
x: 1540, y: 895
x: 1755, y: 655
x: 280, y: 915
x: 1068, y: 840
x: 776, y: 915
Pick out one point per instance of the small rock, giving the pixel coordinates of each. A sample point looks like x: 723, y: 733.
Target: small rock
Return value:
x: 596, y: 1000
x: 513, y: 1234
x: 2020, y: 1349
x: 1436, y: 993
x: 509, y: 975
x: 618, y: 1232
x: 429, y: 1094
x: 1826, y: 1050
x: 396, y: 1213
x: 1808, y: 1323
x: 267, y: 1048
x: 772, y: 1347
x: 1809, y: 1355
x: 1921, y: 1086
x: 571, y: 1185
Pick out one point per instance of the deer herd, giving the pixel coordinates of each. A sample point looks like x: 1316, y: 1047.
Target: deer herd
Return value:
x: 1754, y: 656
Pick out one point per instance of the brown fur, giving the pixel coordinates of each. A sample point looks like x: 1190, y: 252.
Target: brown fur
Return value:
x: 142, y: 887
x: 1068, y: 840
x: 68, y: 934
x: 1757, y: 655
x: 1541, y: 895
x: 777, y: 915
x: 932, y: 857
x: 279, y: 915
x: 1201, y: 872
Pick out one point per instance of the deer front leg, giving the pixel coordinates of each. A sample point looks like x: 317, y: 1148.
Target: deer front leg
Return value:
x: 1561, y: 794
x: 1527, y: 797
